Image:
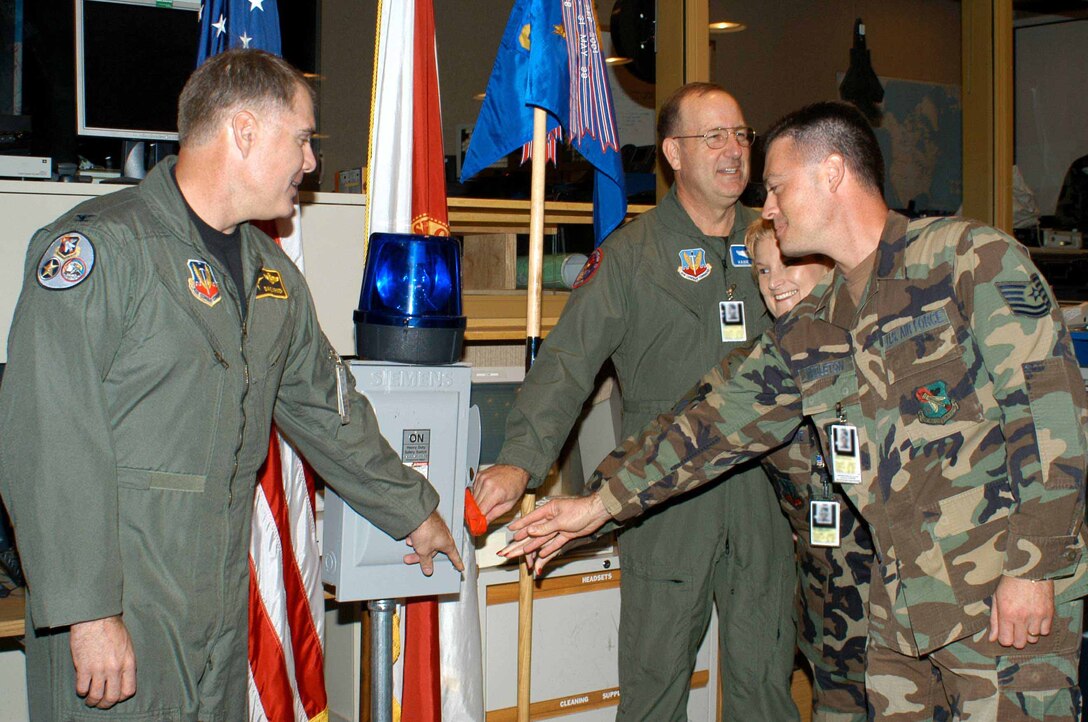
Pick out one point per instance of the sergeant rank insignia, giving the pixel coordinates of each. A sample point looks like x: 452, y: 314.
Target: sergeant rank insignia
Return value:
x: 1026, y: 299
x: 202, y: 283
x: 67, y: 262
x: 936, y: 406
x: 270, y: 285
x: 693, y: 266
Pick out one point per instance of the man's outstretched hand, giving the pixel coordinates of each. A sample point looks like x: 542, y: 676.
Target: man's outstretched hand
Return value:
x: 541, y: 534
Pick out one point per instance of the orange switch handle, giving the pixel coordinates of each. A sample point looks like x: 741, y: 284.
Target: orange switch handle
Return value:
x: 474, y: 518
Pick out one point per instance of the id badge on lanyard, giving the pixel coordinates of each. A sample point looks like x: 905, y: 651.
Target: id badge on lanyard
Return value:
x: 732, y: 318
x: 824, y: 528
x: 842, y: 439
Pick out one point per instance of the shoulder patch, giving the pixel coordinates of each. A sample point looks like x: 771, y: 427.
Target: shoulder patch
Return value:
x: 270, y: 284
x: 1026, y: 299
x: 67, y: 262
x: 589, y: 269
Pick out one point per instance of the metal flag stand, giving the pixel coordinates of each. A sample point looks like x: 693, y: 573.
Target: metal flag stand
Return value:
x: 381, y: 654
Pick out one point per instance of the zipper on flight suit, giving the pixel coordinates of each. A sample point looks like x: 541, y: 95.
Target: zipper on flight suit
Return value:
x: 252, y: 299
x: 242, y: 424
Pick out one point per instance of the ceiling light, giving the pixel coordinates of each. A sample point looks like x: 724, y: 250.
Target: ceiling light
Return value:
x: 617, y: 60
x: 725, y: 26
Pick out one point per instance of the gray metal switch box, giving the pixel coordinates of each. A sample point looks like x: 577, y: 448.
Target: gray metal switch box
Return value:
x: 423, y: 414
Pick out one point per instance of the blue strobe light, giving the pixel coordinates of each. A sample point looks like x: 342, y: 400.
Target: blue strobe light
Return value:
x: 410, y: 303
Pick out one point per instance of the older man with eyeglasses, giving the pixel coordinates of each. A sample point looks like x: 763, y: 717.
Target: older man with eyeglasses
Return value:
x: 666, y: 297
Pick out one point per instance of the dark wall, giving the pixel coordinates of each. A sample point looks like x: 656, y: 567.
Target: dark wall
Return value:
x: 49, y: 92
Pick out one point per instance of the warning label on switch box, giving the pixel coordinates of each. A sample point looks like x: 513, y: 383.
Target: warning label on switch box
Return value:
x: 416, y: 449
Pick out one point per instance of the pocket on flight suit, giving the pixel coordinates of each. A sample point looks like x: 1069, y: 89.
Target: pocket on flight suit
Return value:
x: 657, y: 604
x: 758, y: 639
x: 67, y: 706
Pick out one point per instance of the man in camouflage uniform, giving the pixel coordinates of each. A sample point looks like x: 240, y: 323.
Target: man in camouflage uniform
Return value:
x: 652, y: 299
x: 939, y: 344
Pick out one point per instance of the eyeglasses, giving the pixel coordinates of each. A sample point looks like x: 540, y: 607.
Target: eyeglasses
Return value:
x: 716, y: 138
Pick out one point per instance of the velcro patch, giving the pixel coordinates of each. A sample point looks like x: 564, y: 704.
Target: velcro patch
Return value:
x: 936, y: 406
x: 693, y: 266
x: 589, y: 269
x: 815, y: 371
x: 202, y: 282
x: 270, y: 284
x: 914, y: 327
x: 1026, y: 299
x: 67, y: 262
x: 738, y: 256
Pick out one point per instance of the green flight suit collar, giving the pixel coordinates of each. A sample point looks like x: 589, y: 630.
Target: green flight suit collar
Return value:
x: 161, y: 194
x: 160, y: 191
x: 672, y: 214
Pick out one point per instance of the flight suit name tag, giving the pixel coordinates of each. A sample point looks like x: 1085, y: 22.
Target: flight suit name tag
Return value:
x: 823, y: 520
x: 845, y: 454
x: 270, y: 284
x: 731, y: 314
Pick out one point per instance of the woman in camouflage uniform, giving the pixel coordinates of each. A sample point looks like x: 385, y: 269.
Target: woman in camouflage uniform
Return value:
x: 832, y: 622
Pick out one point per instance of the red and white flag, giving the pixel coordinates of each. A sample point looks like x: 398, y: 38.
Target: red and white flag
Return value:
x: 440, y: 674
x: 286, y: 600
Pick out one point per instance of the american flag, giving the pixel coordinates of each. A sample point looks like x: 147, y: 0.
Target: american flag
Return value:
x: 227, y: 24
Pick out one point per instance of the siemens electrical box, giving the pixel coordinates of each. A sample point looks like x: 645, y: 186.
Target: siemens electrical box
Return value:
x: 423, y: 412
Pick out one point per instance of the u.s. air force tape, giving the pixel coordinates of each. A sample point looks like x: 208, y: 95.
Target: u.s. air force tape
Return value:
x: 67, y: 262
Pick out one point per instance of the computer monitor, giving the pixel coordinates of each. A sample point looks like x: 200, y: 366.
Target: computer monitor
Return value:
x: 132, y: 60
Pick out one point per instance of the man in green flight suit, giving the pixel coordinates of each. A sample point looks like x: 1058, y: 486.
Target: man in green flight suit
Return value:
x: 938, y: 370
x: 666, y: 297
x: 157, y: 337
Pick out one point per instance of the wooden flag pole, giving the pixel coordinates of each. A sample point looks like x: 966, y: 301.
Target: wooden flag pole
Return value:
x: 532, y: 344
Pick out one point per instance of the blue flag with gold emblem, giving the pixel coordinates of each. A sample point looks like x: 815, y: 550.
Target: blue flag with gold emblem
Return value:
x: 550, y: 58
x: 226, y: 24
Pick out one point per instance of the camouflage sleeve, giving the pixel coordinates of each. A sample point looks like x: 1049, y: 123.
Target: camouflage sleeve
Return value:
x: 727, y: 420
x: 589, y: 330
x: 1039, y: 390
